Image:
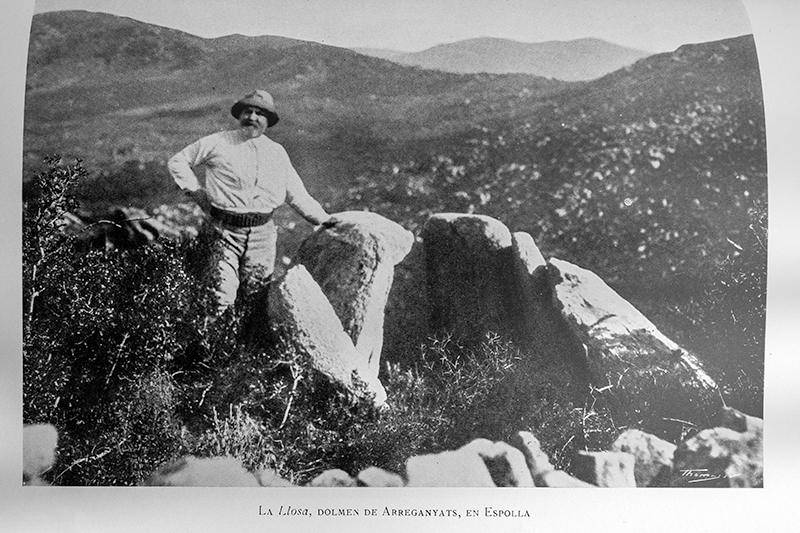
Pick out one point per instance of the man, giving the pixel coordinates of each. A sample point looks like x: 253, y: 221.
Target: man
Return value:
x: 247, y: 177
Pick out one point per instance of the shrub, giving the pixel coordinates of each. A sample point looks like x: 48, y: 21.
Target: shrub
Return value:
x: 102, y: 330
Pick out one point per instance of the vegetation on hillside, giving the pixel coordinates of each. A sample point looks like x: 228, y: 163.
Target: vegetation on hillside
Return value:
x: 120, y: 355
x: 654, y: 177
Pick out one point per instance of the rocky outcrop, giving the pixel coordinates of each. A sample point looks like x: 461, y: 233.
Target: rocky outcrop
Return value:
x: 481, y: 278
x: 304, y: 318
x: 353, y: 263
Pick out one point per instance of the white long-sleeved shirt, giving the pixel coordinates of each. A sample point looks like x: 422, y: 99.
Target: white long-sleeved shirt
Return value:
x: 244, y: 175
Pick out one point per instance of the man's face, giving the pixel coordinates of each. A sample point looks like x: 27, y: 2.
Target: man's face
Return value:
x: 253, y: 121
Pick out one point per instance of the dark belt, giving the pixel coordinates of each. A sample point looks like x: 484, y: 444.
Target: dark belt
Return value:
x: 241, y: 220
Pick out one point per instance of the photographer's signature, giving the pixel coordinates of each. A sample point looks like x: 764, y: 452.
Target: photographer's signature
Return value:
x: 699, y: 475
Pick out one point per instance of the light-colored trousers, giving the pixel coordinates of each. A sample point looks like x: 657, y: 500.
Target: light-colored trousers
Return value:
x: 245, y: 252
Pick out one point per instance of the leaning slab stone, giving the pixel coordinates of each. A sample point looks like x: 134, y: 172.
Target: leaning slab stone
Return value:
x: 530, y: 270
x: 652, y: 456
x: 469, y: 272
x: 377, y: 477
x: 302, y: 316
x: 353, y: 263
x: 39, y: 443
x: 605, y: 469
x: 720, y: 457
x: 202, y: 472
x: 460, y: 468
x: 647, y: 379
x: 333, y: 478
x: 505, y: 463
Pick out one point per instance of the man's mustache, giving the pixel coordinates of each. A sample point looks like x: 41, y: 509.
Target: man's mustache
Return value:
x: 248, y: 122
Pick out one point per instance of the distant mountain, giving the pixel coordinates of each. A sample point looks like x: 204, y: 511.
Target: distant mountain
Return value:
x: 581, y: 59
x: 383, y: 53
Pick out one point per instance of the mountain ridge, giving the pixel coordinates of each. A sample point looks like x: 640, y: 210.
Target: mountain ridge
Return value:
x: 574, y: 60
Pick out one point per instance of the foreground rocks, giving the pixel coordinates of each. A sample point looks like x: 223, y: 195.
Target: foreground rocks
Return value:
x: 39, y: 444
x: 715, y: 457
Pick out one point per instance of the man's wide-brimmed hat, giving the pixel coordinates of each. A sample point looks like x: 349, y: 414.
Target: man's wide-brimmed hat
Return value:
x: 260, y: 99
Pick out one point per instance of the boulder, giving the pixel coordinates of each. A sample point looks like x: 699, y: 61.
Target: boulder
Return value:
x: 353, y: 263
x: 303, y: 317
x: 738, y: 421
x: 558, y: 479
x: 333, y: 478
x: 202, y: 472
x: 720, y: 457
x: 460, y: 468
x: 537, y: 461
x: 647, y: 380
x: 605, y: 469
x: 377, y: 477
x: 652, y: 457
x: 505, y: 463
x: 39, y: 444
x: 469, y: 274
x: 270, y: 478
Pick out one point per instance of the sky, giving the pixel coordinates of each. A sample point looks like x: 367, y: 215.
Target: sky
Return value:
x: 414, y: 25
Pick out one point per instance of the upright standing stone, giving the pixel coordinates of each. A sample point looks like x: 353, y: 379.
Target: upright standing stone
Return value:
x: 302, y: 315
x: 647, y: 379
x: 353, y: 263
x: 469, y: 271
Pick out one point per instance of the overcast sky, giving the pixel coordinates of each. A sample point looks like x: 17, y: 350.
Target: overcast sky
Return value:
x: 413, y: 25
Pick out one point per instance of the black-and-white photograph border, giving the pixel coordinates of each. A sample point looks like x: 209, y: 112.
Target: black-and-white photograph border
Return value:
x: 437, y: 250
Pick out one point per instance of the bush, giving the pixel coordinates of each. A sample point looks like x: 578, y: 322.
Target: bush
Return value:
x: 102, y: 330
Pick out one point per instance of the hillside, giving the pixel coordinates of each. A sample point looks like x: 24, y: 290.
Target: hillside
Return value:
x: 116, y: 91
x: 577, y: 60
x: 653, y: 176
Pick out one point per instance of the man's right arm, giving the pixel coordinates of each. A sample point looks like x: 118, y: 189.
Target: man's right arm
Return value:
x: 180, y: 168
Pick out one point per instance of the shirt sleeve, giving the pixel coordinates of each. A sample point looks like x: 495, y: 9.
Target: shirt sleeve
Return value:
x: 180, y: 165
x: 301, y: 201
